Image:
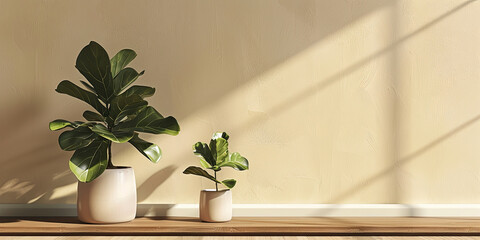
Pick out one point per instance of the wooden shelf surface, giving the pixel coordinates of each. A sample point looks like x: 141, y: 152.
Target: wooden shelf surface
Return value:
x: 258, y: 226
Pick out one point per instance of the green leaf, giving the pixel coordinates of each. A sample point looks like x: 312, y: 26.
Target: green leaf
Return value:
x: 200, y: 172
x: 235, y: 161
x: 141, y: 91
x: 69, y: 88
x: 204, y: 163
x: 93, y: 116
x: 125, y: 105
x: 150, y: 121
x: 219, y: 149
x: 77, y: 138
x: 148, y: 149
x: 88, y: 86
x: 94, y: 64
x: 90, y: 162
x: 223, y: 135
x: 114, y: 136
x: 124, y: 78
x: 206, y: 158
x: 60, y: 124
x: 121, y: 60
x: 230, y: 183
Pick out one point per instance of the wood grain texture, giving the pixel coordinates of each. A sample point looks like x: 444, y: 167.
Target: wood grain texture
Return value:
x: 246, y: 227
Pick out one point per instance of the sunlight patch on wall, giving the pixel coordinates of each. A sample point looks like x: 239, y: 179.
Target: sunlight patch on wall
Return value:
x: 64, y: 191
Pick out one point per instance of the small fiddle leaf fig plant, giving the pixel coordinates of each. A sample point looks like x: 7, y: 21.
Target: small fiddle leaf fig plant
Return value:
x: 121, y: 112
x: 214, y: 157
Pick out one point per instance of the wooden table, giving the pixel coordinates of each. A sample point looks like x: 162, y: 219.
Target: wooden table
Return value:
x: 245, y: 227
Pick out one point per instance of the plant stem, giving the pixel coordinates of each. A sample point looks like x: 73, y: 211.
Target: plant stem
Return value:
x: 110, y: 164
x: 216, y: 184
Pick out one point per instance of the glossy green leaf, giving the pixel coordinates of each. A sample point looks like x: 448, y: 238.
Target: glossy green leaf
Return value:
x: 124, y: 78
x: 105, y: 80
x: 129, y: 117
x: 60, y: 124
x: 88, y: 86
x: 114, y: 136
x: 219, y: 149
x: 93, y: 116
x: 215, y: 156
x: 141, y: 91
x: 200, y: 172
x: 230, y: 183
x: 123, y: 106
x: 86, y: 124
x: 77, y: 138
x: 94, y: 64
x: 236, y: 161
x: 69, y: 88
x: 121, y: 60
x: 204, y: 163
x: 150, y: 150
x: 91, y: 161
x: 150, y: 121
x: 223, y: 135
x: 203, y: 151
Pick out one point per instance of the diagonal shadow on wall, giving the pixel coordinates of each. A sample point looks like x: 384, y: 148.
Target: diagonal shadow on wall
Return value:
x: 207, y: 60
x: 404, y: 160
x: 266, y: 35
x: 299, y: 97
x: 321, y: 20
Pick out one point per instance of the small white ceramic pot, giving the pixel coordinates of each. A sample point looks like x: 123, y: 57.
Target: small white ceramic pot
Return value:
x: 110, y: 198
x: 215, y: 206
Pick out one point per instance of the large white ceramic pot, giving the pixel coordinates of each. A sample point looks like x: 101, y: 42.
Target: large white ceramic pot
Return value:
x: 215, y: 206
x: 110, y: 198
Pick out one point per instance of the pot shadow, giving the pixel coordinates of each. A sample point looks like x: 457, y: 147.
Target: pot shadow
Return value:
x: 9, y: 220
x: 176, y: 219
x: 64, y: 220
x: 186, y: 219
x: 146, y: 188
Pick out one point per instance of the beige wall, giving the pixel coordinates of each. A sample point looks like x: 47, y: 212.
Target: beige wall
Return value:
x: 331, y: 101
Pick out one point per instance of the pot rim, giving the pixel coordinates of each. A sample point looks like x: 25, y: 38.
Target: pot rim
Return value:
x: 214, y: 190
x: 119, y: 168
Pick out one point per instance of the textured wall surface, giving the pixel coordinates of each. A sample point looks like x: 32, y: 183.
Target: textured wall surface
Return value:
x: 331, y: 101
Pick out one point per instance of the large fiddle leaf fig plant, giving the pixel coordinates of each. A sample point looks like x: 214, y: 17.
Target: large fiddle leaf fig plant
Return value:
x: 121, y: 112
x: 214, y: 157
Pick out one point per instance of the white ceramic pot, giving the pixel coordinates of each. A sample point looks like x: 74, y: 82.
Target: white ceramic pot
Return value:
x: 110, y: 198
x: 215, y: 206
